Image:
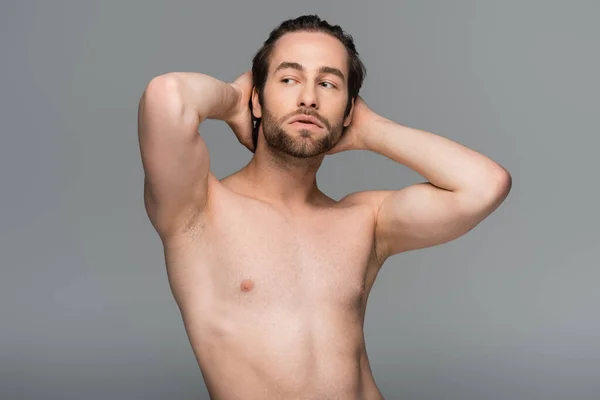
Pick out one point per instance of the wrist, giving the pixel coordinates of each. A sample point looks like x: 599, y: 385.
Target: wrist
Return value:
x: 370, y: 137
x: 220, y: 100
x: 231, y: 99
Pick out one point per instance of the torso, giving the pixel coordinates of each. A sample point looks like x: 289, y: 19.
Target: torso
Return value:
x: 274, y: 304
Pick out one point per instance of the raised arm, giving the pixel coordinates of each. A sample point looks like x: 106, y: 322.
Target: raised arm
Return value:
x: 174, y: 156
x: 463, y: 187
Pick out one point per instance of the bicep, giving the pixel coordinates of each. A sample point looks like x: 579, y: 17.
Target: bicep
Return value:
x: 423, y: 215
x: 174, y: 156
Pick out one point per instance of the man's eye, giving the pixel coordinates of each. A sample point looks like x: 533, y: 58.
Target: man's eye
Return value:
x: 331, y: 85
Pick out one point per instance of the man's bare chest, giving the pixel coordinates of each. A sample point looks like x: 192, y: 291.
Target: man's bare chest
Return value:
x: 251, y: 257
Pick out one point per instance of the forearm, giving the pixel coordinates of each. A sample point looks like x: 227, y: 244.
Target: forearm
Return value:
x: 205, y: 96
x: 444, y: 163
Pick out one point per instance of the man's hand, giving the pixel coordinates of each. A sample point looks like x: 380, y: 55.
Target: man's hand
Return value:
x: 355, y: 133
x: 240, y: 120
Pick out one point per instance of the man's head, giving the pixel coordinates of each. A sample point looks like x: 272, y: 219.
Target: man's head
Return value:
x: 306, y: 67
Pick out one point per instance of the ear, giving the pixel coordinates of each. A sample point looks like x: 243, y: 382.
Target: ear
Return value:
x: 348, y: 119
x: 256, y: 107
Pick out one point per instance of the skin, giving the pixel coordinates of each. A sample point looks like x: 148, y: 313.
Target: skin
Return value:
x: 271, y: 275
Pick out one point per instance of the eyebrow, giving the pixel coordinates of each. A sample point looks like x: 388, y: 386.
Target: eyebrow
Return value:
x: 322, y: 70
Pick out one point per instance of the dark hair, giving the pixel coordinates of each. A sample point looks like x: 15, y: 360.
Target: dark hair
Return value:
x: 305, y: 23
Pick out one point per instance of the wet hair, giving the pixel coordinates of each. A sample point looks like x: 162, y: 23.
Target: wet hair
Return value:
x: 305, y: 23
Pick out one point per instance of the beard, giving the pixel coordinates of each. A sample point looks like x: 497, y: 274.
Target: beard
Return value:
x: 305, y: 145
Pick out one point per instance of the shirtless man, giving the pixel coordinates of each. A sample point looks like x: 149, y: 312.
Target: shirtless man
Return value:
x: 272, y: 276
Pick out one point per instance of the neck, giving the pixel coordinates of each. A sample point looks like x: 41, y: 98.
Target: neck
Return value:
x: 281, y: 179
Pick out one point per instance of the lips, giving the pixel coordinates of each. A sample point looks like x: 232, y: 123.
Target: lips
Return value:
x: 306, y: 119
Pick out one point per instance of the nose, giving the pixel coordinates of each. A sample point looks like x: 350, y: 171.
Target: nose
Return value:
x: 308, y: 97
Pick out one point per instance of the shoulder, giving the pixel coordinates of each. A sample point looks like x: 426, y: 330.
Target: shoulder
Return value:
x: 370, y: 199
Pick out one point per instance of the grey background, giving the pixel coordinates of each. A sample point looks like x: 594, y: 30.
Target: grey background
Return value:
x: 508, y: 311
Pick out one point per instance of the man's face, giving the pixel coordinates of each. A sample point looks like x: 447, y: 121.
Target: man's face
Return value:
x: 307, y: 76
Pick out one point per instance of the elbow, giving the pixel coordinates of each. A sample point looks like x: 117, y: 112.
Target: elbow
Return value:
x: 163, y: 86
x: 163, y: 93
x: 496, y: 188
x: 500, y: 182
x: 489, y: 192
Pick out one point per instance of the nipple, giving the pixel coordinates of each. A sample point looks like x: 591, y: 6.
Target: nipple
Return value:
x: 247, y: 285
